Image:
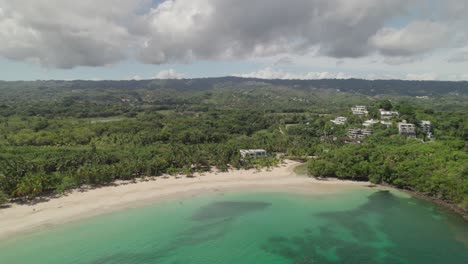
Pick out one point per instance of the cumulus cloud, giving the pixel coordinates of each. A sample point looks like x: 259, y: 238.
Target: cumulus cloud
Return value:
x: 66, y: 34
x: 184, y: 30
x: 270, y: 73
x: 416, y: 38
x: 169, y: 74
x: 70, y: 33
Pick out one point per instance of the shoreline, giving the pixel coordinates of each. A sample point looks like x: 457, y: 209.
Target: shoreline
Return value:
x: 86, y: 203
x: 453, y: 208
x: 440, y: 203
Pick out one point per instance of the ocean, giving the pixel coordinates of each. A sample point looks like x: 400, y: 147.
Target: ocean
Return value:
x: 354, y: 226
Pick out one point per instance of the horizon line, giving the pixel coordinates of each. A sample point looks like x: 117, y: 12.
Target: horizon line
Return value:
x: 224, y: 77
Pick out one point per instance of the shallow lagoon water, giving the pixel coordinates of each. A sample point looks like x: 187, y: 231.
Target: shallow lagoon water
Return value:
x: 359, y: 226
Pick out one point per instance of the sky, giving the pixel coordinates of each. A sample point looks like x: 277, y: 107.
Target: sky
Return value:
x: 272, y: 39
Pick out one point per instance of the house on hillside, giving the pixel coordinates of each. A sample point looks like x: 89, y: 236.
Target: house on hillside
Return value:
x: 340, y: 120
x: 359, y: 110
x: 426, y: 126
x: 253, y: 153
x: 407, y: 129
x: 358, y: 133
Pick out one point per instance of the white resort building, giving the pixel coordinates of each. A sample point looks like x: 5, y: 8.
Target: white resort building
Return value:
x: 358, y: 133
x: 407, y: 129
x: 253, y: 153
x: 426, y: 126
x: 340, y: 120
x: 359, y: 110
x: 369, y: 123
x: 386, y: 123
x: 384, y: 114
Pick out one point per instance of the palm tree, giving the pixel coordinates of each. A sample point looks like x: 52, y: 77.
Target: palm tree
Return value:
x: 3, y: 198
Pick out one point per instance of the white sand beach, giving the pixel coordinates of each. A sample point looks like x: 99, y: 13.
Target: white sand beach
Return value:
x: 80, y: 204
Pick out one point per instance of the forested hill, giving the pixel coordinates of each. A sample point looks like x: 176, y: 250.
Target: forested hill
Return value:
x: 366, y: 87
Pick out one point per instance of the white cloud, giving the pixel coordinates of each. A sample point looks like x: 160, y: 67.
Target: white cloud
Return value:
x: 185, y: 30
x: 416, y: 38
x: 65, y: 34
x: 169, y: 74
x: 284, y: 61
x: 134, y: 78
x: 70, y: 33
x: 421, y: 76
x: 373, y: 76
x: 395, y: 61
x: 270, y: 73
x: 459, y: 77
x: 459, y: 55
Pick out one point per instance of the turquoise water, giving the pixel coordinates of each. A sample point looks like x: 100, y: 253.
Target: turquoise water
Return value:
x: 365, y: 226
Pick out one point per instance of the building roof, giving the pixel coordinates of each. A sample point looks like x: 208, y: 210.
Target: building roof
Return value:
x: 252, y: 150
x: 339, y: 120
x: 370, y: 122
x: 388, y: 123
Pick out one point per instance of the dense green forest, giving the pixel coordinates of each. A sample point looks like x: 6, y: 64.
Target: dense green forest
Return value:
x: 57, y: 135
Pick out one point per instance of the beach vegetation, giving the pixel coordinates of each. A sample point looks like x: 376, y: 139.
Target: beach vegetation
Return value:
x: 3, y: 198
